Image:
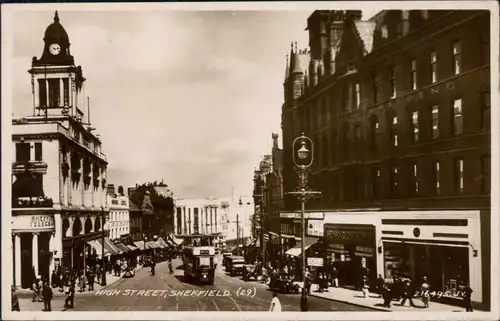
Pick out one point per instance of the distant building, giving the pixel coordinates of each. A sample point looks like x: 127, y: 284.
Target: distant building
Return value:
x: 58, y: 170
x: 118, y: 223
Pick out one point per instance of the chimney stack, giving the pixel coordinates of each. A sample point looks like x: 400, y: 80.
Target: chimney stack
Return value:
x: 120, y: 190
x: 110, y: 189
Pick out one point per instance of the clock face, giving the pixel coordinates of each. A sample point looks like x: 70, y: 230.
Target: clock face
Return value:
x: 54, y: 49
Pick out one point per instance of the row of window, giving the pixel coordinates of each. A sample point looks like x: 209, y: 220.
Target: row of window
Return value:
x: 49, y: 92
x: 414, y: 178
x: 119, y: 216
x: 117, y: 232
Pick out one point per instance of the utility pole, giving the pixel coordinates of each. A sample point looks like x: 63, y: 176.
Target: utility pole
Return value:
x: 238, y: 233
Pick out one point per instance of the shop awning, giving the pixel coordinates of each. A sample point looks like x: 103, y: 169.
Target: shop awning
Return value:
x: 132, y: 247
x: 122, y: 247
x: 159, y: 245
x: 98, y: 248
x: 175, y: 240
x: 108, y: 246
x: 151, y: 245
x: 139, y: 245
x: 297, y: 249
x: 162, y: 242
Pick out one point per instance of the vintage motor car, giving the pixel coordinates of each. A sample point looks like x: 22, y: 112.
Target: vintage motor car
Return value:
x: 129, y: 272
x: 283, y: 283
x: 225, y: 259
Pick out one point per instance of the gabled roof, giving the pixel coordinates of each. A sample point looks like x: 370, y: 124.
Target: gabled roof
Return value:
x: 133, y: 207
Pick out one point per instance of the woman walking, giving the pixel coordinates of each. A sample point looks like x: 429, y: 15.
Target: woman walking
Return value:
x: 425, y: 292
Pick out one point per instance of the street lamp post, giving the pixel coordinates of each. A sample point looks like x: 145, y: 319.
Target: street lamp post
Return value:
x: 103, y: 278
x: 303, y: 193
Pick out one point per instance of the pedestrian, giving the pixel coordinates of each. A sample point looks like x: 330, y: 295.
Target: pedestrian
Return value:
x: 275, y: 303
x: 335, y: 277
x: 407, y: 292
x: 53, y: 279
x: 91, y: 280
x: 47, y: 297
x: 14, y: 300
x: 424, y: 292
x: 40, y: 288
x: 467, y: 298
x: 170, y: 266
x: 364, y: 286
x: 387, y: 295
x: 70, y: 296
x: 34, y: 288
x: 380, y: 285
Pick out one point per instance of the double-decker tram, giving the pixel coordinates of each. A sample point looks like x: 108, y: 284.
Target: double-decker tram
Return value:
x: 199, y: 259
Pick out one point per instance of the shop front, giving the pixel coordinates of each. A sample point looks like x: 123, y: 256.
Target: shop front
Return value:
x: 34, y: 247
x: 351, y: 250
x: 443, y: 247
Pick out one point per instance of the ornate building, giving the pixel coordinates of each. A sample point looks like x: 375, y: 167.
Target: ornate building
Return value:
x: 58, y: 170
x: 398, y: 108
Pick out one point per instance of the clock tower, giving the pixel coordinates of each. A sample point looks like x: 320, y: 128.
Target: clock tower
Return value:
x: 56, y: 82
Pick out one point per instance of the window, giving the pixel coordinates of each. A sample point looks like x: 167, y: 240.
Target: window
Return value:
x: 394, y: 180
x: 413, y: 74
x: 42, y: 92
x: 459, y: 175
x: 433, y: 67
x: 54, y: 95
x: 435, y: 122
x: 38, y: 152
x: 23, y: 151
x: 384, y: 32
x: 357, y: 98
x: 349, y: 97
x: 415, y: 126
x: 485, y: 174
x: 457, y: 57
x: 485, y: 109
x: 374, y: 132
x: 415, y: 178
x: 376, y: 183
x: 66, y: 91
x: 457, y: 117
x: 394, y: 132
x: 375, y: 88
x: 437, y: 177
x: 392, y: 74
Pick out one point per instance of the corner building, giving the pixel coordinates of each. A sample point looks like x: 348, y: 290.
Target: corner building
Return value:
x: 398, y: 107
x: 58, y: 172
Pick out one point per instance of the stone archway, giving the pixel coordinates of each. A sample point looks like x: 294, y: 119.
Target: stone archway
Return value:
x: 77, y: 226
x: 88, y: 225
x: 97, y: 225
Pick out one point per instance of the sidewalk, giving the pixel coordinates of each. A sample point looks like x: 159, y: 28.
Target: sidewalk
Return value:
x: 110, y: 279
x: 373, y: 301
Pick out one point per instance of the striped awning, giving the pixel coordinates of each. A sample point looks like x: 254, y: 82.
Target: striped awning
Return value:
x: 139, y: 245
x: 132, y: 247
x: 98, y: 248
x: 122, y: 247
x: 162, y: 242
x: 108, y: 246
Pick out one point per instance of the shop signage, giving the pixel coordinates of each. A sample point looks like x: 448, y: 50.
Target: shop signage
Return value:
x: 414, y: 97
x: 33, y: 222
x: 307, y: 215
x: 362, y: 236
x: 314, y: 261
x: 315, y: 228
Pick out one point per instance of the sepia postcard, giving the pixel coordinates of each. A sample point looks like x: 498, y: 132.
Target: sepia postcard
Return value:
x: 213, y: 161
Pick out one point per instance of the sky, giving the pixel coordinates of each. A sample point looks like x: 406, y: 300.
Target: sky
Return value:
x: 190, y: 97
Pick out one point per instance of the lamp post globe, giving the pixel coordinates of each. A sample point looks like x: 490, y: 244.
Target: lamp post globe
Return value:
x: 303, y: 152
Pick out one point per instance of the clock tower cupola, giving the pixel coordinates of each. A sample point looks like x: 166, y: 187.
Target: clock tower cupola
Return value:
x: 57, y: 84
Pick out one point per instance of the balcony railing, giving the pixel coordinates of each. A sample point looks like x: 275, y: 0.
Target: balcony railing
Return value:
x: 32, y: 202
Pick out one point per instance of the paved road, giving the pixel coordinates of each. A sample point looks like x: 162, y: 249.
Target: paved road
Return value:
x: 258, y: 298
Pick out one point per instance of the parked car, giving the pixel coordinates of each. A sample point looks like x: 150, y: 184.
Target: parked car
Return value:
x: 283, y: 283
x: 129, y: 272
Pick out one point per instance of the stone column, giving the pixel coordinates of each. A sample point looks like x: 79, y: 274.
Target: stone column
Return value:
x: 69, y: 183
x: 93, y: 224
x: 82, y: 222
x: 52, y: 247
x: 17, y: 254
x: 61, y: 92
x: 35, y: 252
x: 69, y: 231
x: 36, y: 92
x: 91, y: 187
